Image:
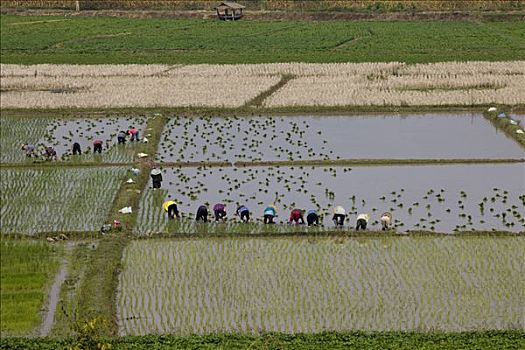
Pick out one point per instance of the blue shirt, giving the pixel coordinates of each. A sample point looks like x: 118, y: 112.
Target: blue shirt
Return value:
x: 269, y: 211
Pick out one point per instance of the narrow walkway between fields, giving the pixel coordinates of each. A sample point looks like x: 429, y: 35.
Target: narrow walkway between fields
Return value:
x: 54, y: 293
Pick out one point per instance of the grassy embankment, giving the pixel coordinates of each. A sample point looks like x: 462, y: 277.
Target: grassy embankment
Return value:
x: 105, y: 40
x: 96, y: 287
x: 506, y: 126
x: 500, y: 340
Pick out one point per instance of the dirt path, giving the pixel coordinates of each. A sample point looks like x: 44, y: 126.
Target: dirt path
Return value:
x: 54, y: 293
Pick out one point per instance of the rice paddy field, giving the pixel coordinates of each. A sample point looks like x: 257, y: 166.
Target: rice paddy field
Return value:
x: 371, y: 116
x: 189, y: 286
x: 269, y: 138
x: 433, y: 198
x: 62, y: 133
x: 26, y: 272
x: 57, y: 200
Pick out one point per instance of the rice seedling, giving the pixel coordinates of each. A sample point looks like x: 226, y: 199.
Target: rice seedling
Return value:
x: 26, y: 271
x: 188, y: 286
x: 62, y: 133
x: 216, y: 138
x: 256, y: 187
x: 46, y: 200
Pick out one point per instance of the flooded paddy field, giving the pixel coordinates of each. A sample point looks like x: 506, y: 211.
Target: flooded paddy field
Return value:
x: 426, y: 136
x: 62, y: 133
x: 290, y: 285
x: 47, y: 200
x: 442, y: 198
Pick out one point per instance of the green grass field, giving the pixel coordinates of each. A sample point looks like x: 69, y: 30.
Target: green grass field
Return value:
x: 104, y: 40
x: 27, y: 268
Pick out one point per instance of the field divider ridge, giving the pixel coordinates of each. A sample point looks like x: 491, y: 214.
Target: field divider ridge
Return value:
x: 99, y: 287
x: 335, y: 162
x: 258, y: 100
x: 505, y: 125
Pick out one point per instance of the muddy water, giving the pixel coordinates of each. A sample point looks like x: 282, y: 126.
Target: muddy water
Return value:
x: 332, y: 137
x: 441, y: 198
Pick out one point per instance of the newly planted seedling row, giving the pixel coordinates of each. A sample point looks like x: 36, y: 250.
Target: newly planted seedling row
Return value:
x: 62, y: 133
x: 269, y: 138
x: 187, y: 286
x: 46, y: 200
x: 442, y: 198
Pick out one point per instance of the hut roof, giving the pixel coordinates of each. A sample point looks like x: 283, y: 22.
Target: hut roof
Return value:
x: 229, y: 4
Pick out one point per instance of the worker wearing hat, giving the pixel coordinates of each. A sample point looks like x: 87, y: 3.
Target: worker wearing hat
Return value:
x: 339, y: 215
x: 269, y: 214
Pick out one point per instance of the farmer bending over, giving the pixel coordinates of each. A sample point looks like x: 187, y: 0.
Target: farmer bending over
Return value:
x: 339, y: 215
x: 312, y: 218
x: 29, y: 150
x: 97, y: 146
x: 296, y: 216
x: 362, y: 220
x: 386, y: 221
x: 76, y: 149
x: 243, y: 213
x: 121, y: 137
x: 156, y: 177
x: 219, y: 210
x: 170, y: 207
x: 50, y: 153
x: 134, y: 134
x: 202, y: 214
x: 269, y: 214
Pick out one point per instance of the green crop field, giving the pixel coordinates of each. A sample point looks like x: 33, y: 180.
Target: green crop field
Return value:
x: 103, y: 40
x: 62, y: 133
x: 48, y: 200
x: 202, y: 286
x: 27, y: 268
x: 447, y: 274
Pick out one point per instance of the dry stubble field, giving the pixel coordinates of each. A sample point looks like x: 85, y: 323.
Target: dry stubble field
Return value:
x: 310, y: 85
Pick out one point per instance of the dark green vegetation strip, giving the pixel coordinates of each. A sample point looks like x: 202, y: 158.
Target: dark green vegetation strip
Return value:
x: 104, y: 40
x: 356, y: 340
x: 259, y: 99
x: 198, y: 112
x: 78, y: 264
x: 99, y: 286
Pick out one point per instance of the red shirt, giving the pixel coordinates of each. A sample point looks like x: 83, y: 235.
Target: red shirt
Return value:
x: 97, y: 142
x: 295, y: 215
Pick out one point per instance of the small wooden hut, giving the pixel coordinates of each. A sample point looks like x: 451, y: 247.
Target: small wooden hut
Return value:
x: 229, y: 10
